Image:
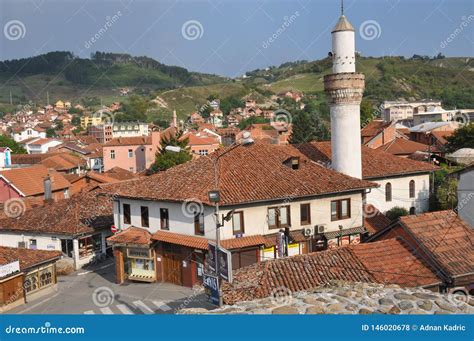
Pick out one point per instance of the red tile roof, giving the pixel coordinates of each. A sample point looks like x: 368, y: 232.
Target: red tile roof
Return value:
x: 373, y: 128
x: 401, y: 146
x: 375, y: 163
x: 374, y: 220
x: 132, y: 235
x: 181, y: 239
x: 63, y: 162
x: 28, y: 258
x: 447, y: 238
x: 30, y: 181
x: 387, y: 261
x: 258, y: 172
x: 393, y: 261
x: 242, y: 242
x: 82, y: 213
x: 129, y: 141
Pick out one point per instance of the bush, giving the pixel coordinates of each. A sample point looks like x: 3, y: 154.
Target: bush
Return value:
x: 396, y: 212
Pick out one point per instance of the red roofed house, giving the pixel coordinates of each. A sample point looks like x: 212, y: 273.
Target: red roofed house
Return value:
x: 134, y: 154
x: 442, y: 240
x: 201, y: 143
x: 25, y: 275
x: 275, y: 197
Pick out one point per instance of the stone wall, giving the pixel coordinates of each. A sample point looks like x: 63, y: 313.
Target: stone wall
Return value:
x: 350, y: 298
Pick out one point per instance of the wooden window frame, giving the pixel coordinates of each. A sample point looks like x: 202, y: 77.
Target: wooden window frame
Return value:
x: 411, y: 189
x: 127, y: 219
x: 339, y: 215
x: 242, y: 225
x: 112, y: 154
x: 308, y: 208
x: 145, y: 218
x: 197, y: 224
x: 164, y: 223
x: 388, y: 193
x: 277, y: 209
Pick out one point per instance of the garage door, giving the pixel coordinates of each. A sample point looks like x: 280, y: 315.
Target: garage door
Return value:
x: 244, y: 258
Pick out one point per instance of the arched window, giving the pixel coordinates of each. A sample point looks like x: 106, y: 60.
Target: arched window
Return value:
x: 412, y: 188
x: 388, y: 192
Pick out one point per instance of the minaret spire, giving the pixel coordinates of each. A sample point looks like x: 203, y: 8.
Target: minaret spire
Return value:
x: 342, y: 7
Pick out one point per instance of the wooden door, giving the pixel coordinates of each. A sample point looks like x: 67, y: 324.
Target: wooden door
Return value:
x: 172, y: 269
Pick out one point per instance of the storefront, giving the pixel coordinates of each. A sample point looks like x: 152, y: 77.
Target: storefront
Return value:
x: 140, y: 264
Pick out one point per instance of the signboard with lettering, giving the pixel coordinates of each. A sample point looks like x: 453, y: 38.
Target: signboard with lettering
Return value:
x: 211, y: 286
x: 9, y: 268
x: 138, y: 253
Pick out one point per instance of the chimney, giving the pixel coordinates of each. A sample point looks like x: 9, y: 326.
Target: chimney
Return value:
x: 48, y: 193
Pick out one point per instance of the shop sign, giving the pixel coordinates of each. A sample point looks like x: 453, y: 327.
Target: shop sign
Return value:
x: 138, y: 253
x: 9, y: 268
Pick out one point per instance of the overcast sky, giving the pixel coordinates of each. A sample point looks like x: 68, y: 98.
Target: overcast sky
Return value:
x: 229, y: 37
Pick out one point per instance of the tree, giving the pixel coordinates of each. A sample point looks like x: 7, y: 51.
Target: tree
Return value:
x: 10, y: 143
x: 50, y: 132
x: 396, y: 212
x: 462, y: 138
x: 446, y: 194
x: 166, y: 159
x: 244, y: 124
x: 308, y: 127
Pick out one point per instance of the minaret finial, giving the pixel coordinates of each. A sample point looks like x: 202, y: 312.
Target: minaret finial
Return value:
x: 342, y: 7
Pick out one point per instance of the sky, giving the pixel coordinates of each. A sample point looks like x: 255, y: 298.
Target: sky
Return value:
x: 230, y: 37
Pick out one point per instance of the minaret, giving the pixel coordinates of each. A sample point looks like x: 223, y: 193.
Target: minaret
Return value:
x: 344, y: 89
x: 174, y: 122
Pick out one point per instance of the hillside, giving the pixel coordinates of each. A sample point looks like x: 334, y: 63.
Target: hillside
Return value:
x: 65, y: 76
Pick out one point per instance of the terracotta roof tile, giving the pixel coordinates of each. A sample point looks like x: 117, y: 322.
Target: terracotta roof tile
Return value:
x: 30, y: 180
x: 446, y: 237
x: 181, y: 239
x: 27, y: 257
x: 374, y: 220
x: 132, y: 235
x: 242, y: 242
x: 252, y: 173
x: 375, y: 163
x: 82, y: 213
x: 129, y: 141
x: 63, y: 162
x: 401, y: 146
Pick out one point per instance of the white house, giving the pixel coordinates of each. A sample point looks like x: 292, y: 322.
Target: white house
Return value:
x: 41, y: 145
x: 278, y: 203
x: 21, y: 134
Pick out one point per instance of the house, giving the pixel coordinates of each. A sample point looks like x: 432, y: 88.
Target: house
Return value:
x: 442, y: 240
x: 423, y: 133
x: 195, y: 118
x: 465, y: 193
x: 31, y: 182
x: 463, y: 156
x: 272, y: 133
x: 432, y: 116
x: 131, y: 153
x: 5, y: 157
x: 404, y: 110
x: 201, y: 143
x: 216, y: 118
x: 40, y: 145
x: 390, y: 261
x: 21, y: 133
x: 129, y: 129
x: 78, y: 227
x: 403, y: 147
x: 402, y: 182
x: 26, y: 274
x: 65, y: 163
x: 165, y: 224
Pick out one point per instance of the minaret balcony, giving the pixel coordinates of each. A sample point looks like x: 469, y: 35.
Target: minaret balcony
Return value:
x: 344, y: 88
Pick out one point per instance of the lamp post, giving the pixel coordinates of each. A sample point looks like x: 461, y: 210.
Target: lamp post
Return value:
x: 214, y: 195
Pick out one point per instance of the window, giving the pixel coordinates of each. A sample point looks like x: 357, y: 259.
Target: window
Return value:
x: 278, y: 217
x: 130, y: 153
x: 112, y: 154
x: 164, y: 219
x: 199, y: 223
x: 305, y: 214
x: 238, y: 223
x: 340, y: 209
x: 145, y: 216
x: 33, y: 244
x: 412, y: 210
x: 126, y: 214
x: 90, y: 245
x: 412, y: 188
x: 388, y: 192
x: 203, y: 152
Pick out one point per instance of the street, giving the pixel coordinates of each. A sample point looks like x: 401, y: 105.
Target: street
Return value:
x: 93, y: 291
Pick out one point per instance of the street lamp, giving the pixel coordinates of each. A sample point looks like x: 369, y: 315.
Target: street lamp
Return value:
x: 214, y: 195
